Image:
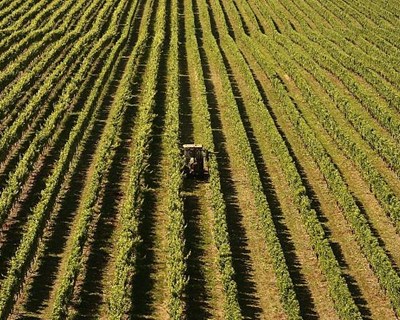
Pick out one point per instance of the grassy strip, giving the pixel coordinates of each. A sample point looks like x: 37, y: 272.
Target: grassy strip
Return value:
x: 285, y: 283
x: 369, y: 244
x: 12, y: 93
x: 378, y: 185
x: 220, y: 228
x: 120, y: 300
x: 11, y: 47
x: 46, y: 134
x: 67, y: 162
x: 176, y: 262
x: 103, y: 157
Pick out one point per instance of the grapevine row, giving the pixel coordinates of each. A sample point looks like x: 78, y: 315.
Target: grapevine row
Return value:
x: 383, y: 67
x: 12, y: 132
x: 176, y: 263
x: 11, y: 12
x: 369, y: 244
x: 12, y: 93
x: 102, y: 160
x: 17, y: 178
x: 378, y: 184
x: 36, y: 24
x: 285, y: 284
x: 17, y: 20
x: 366, y: 33
x: 339, y: 291
x: 375, y: 13
x: 67, y: 161
x: 221, y: 236
x: 13, y: 46
x: 387, y: 117
x: 120, y: 302
x: 354, y: 64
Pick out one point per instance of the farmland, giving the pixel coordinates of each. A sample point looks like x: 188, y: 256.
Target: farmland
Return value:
x: 299, y: 102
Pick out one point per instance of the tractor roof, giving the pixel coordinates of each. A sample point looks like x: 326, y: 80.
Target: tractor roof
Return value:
x: 192, y: 145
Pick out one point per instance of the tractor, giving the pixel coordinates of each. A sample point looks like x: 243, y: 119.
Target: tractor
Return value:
x: 195, y: 158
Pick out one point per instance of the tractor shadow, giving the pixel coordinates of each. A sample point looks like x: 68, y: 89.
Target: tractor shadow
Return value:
x: 198, y: 305
x: 197, y: 298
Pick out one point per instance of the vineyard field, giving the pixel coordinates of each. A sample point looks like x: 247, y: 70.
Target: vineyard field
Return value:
x: 298, y: 103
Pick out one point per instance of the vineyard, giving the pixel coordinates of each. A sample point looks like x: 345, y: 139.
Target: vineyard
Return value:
x: 299, y: 104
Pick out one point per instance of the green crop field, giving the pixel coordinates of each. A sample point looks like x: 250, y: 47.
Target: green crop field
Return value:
x: 299, y: 102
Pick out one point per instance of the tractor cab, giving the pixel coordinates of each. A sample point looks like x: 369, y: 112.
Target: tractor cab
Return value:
x: 195, y: 158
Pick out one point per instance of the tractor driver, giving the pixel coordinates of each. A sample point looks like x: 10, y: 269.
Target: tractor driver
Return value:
x: 192, y: 165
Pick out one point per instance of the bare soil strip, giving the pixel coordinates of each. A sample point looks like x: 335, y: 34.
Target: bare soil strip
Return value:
x: 205, y: 292
x: 150, y: 281
x: 360, y: 278
x: 378, y: 219
x: 92, y: 290
x: 42, y: 279
x: 310, y: 283
x: 205, y: 296
x: 255, y: 276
